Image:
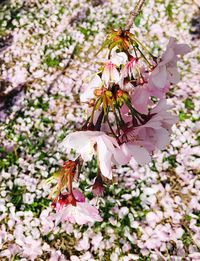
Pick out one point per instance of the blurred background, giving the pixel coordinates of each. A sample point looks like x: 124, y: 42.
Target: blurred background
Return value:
x: 47, y: 49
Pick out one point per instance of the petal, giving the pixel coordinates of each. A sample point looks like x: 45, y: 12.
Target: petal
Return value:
x: 141, y: 155
x: 104, y: 157
x: 182, y: 49
x: 115, y: 75
x: 140, y: 99
x: 119, y: 58
x: 87, y: 95
x: 161, y: 138
x: 78, y: 195
x: 173, y: 75
x: 120, y: 157
x: 159, y: 76
x: 167, y: 56
x: 161, y: 106
x: 87, y: 213
x: 96, y: 82
x: 81, y: 142
x: 106, y: 75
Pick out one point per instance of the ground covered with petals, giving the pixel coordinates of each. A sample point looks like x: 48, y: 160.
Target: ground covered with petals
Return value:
x: 47, y: 49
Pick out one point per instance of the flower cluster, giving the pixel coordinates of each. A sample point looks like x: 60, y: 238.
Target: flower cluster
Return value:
x: 154, y: 214
x: 128, y: 115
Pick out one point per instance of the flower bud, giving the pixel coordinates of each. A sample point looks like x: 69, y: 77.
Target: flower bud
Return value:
x: 98, y: 92
x: 98, y: 188
x: 120, y: 93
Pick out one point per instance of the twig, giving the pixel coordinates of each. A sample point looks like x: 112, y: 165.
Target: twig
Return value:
x: 134, y: 13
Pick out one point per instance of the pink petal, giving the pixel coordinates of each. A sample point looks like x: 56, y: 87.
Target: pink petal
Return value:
x: 141, y: 155
x: 159, y: 76
x: 182, y: 49
x: 173, y: 75
x: 78, y: 195
x: 162, y: 138
x: 140, y: 99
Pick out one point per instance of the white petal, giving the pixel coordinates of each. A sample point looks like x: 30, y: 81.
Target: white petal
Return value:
x: 81, y: 142
x: 96, y: 82
x: 87, y: 95
x: 115, y: 75
x: 104, y: 156
x: 106, y: 76
x: 119, y: 58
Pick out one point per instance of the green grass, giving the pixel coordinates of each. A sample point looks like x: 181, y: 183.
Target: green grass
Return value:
x: 51, y: 62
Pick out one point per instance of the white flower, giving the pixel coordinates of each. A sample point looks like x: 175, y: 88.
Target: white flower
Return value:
x: 110, y: 73
x: 119, y: 58
x: 88, y: 93
x: 83, y: 143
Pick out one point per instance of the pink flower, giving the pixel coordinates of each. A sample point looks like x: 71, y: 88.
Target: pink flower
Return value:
x: 81, y: 214
x: 130, y: 68
x: 132, y: 153
x: 155, y: 133
x: 151, y: 135
x: 166, y: 71
x: 110, y: 73
x: 73, y: 208
x: 83, y: 142
x: 66, y: 199
x: 140, y: 99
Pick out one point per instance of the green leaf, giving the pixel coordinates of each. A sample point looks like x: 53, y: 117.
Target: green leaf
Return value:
x: 138, y: 20
x: 51, y: 62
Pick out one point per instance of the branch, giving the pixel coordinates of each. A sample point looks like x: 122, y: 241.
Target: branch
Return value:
x: 134, y: 13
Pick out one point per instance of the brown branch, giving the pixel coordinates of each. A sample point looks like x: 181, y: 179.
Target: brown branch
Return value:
x: 134, y: 13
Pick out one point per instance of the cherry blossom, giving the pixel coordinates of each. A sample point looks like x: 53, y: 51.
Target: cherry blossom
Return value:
x: 88, y: 93
x: 83, y: 142
x: 130, y: 69
x: 110, y: 73
x: 140, y: 98
x: 155, y: 207
x: 166, y: 71
x: 74, y: 209
x: 129, y: 153
x: 119, y: 58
